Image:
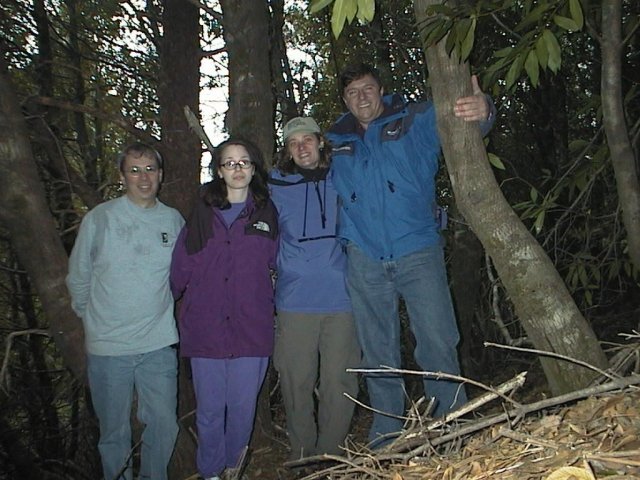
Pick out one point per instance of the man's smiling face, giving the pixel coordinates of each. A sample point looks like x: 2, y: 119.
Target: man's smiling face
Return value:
x: 141, y: 175
x: 363, y: 98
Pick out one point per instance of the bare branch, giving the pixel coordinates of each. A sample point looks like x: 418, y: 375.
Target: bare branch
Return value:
x: 5, y: 384
x: 120, y: 121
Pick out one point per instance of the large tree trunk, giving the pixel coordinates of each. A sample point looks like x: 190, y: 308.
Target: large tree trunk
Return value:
x: 246, y: 34
x: 622, y: 156
x: 179, y: 86
x: 34, y: 236
x: 251, y: 105
x: 544, y: 306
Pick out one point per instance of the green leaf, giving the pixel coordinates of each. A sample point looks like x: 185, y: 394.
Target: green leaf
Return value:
x: 366, y: 10
x: 595, y: 273
x: 533, y: 17
x: 338, y: 16
x: 533, y: 193
x: 495, y: 161
x: 532, y: 68
x: 541, y: 52
x: 576, y: 146
x: 503, y: 52
x: 351, y: 8
x: 439, y: 30
x: 614, y: 269
x: 539, y: 223
x: 566, y: 23
x: 452, y: 38
x: 467, y: 43
x: 584, y: 278
x: 588, y: 297
x: 576, y: 13
x: 553, y: 48
x: 514, y: 72
x: 440, y: 8
x: 317, y: 5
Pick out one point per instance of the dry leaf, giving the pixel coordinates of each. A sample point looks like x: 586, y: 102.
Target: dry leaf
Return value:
x: 571, y: 473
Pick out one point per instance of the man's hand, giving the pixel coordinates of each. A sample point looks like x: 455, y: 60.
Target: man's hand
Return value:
x: 473, y: 108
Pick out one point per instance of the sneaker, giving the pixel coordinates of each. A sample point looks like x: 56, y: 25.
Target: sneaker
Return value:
x: 233, y: 474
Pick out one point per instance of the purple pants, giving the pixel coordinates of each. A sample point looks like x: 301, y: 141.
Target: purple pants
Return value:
x: 226, y: 395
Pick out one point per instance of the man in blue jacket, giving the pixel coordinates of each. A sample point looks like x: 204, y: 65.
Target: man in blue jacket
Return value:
x: 385, y: 159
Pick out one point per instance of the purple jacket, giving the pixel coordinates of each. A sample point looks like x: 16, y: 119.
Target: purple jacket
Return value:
x: 227, y: 294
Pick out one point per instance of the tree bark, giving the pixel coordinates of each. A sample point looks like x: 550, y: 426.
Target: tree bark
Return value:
x: 544, y: 306
x: 34, y: 236
x: 179, y: 86
x: 283, y: 81
x: 622, y: 155
x: 251, y: 101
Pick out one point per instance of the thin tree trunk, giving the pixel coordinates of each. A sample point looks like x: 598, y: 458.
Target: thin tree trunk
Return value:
x: 283, y: 81
x: 544, y: 306
x: 34, y: 236
x: 622, y: 156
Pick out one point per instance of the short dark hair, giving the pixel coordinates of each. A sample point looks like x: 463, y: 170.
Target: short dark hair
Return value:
x: 356, y: 71
x: 287, y: 166
x: 215, y: 192
x: 137, y: 150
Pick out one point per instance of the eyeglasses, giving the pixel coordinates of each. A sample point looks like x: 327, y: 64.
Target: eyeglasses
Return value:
x: 232, y: 164
x: 136, y: 170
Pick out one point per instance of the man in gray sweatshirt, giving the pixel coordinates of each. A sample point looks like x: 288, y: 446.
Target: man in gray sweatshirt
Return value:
x: 119, y: 284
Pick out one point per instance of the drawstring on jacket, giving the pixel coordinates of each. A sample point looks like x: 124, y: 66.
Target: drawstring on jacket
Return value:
x: 321, y: 200
x: 316, y: 176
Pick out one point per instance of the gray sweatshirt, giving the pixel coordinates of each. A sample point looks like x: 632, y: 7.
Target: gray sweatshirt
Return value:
x: 119, y: 277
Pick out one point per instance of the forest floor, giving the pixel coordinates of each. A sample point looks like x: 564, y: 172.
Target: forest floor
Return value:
x: 269, y: 452
x: 591, y: 437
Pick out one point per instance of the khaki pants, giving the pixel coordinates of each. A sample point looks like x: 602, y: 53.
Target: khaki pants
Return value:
x: 314, y: 350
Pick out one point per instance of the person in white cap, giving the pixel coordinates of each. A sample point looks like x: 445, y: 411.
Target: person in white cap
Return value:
x: 315, y: 334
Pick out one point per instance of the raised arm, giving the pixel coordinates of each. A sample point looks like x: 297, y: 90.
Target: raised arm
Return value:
x: 476, y: 108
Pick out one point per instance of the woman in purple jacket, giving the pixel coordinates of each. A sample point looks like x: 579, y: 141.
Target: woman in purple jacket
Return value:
x: 222, y: 270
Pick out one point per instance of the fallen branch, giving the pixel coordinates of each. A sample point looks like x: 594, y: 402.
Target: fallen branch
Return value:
x: 545, y: 353
x: 4, y: 376
x: 414, y: 444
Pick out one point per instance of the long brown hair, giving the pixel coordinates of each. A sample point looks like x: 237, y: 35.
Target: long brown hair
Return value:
x: 215, y: 192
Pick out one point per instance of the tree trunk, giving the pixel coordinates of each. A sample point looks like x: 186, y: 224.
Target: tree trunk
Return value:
x: 179, y: 86
x: 251, y: 102
x: 544, y: 306
x: 465, y: 267
x: 283, y: 81
x: 34, y: 236
x: 622, y: 156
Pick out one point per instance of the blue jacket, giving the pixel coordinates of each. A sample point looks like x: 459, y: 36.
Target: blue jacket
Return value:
x: 385, y: 178
x: 227, y: 296
x: 311, y: 262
